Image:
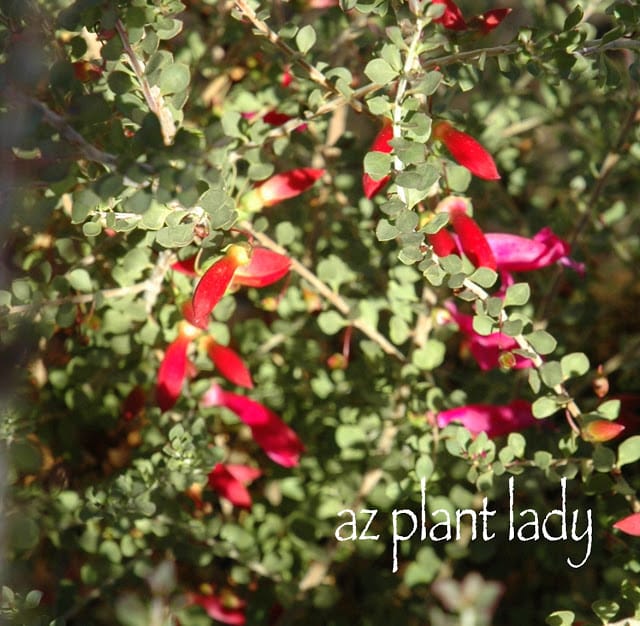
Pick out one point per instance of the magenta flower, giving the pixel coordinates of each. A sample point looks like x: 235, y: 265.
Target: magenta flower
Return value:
x: 277, y: 439
x: 521, y: 254
x: 495, y: 420
x: 225, y: 608
x: 486, y: 349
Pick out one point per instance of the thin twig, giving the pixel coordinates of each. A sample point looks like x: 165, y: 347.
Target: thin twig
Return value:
x: 152, y: 95
x: 314, y: 74
x: 608, y: 164
x: 326, y: 292
x: 89, y: 152
x: 118, y: 292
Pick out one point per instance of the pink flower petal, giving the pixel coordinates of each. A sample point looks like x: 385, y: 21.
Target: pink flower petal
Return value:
x: 629, y: 525
x: 229, y: 364
x: 229, y: 611
x: 486, y: 349
x: 521, y: 254
x: 172, y: 372
x: 495, y: 420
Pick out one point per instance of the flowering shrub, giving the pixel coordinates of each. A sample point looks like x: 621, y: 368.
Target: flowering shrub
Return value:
x: 319, y: 312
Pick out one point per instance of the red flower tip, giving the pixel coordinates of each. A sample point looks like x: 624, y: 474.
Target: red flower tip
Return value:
x: 452, y: 17
x: 214, y: 283
x: 229, y: 482
x: 466, y: 151
x: 490, y: 19
x: 186, y: 266
x: 264, y: 268
x: 443, y: 243
x: 134, y: 403
x: 472, y: 240
x: 380, y: 144
x: 600, y: 430
x: 229, y: 364
x: 287, y: 185
x: 172, y: 372
x: 227, y: 609
x: 629, y: 525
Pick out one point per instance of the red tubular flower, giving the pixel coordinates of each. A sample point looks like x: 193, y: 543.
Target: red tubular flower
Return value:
x: 229, y: 364
x: 466, y: 151
x: 443, y: 243
x: 227, y: 609
x: 229, y: 482
x: 495, y: 420
x: 629, y: 525
x: 265, y: 267
x: 279, y: 441
x: 172, y: 372
x: 380, y: 144
x: 599, y: 431
x: 214, y: 283
x: 281, y: 187
x: 472, y: 240
x: 452, y: 16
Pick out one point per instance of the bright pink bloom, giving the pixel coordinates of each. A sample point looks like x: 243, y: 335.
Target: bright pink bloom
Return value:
x: 214, y: 282
x: 599, y: 431
x: 279, y: 441
x: 286, y: 185
x: 486, y: 349
x: 265, y: 267
x: 521, y: 254
x: 228, y: 609
x: 452, y: 16
x: 172, y: 373
x: 229, y: 364
x: 495, y: 420
x: 229, y: 482
x: 629, y: 525
x: 380, y: 144
x: 466, y: 151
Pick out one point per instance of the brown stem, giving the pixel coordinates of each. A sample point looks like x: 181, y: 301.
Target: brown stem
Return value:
x: 152, y: 95
x: 326, y: 292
